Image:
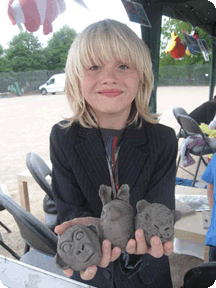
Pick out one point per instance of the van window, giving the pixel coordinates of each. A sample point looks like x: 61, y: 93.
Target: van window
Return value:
x: 52, y: 81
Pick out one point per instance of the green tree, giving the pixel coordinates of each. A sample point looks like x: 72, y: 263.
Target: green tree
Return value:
x: 58, y: 46
x: 178, y: 26
x: 4, y: 63
x: 25, y: 53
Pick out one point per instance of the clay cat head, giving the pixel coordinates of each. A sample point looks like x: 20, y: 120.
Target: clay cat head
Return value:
x: 78, y: 248
x: 117, y: 217
x: 156, y: 220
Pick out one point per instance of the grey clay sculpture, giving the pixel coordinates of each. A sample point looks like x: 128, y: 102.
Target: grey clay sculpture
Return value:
x: 156, y: 220
x: 78, y: 248
x: 117, y: 217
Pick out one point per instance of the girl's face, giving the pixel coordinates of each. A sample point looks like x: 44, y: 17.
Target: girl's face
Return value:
x: 110, y: 88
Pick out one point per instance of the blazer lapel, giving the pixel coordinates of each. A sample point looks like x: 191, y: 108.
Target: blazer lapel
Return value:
x: 93, y: 157
x: 131, y: 155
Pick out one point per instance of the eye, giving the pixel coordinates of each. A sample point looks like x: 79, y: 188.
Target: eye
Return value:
x: 79, y: 235
x: 123, y: 67
x: 66, y: 248
x: 147, y: 217
x: 94, y: 68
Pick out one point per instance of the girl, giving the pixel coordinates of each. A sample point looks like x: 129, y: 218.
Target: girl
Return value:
x: 113, y: 139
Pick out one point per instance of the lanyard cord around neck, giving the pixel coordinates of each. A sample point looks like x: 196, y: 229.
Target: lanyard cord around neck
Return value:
x: 112, y: 160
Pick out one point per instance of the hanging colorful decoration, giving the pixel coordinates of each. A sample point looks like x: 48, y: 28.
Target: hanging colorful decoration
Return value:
x: 192, y: 44
x: 33, y: 13
x: 195, y: 44
x: 175, y: 47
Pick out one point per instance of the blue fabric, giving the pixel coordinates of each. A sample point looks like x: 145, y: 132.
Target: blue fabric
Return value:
x: 184, y: 182
x: 209, y: 176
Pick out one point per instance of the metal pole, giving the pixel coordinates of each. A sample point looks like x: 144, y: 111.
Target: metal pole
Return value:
x: 213, y: 71
x: 151, y: 36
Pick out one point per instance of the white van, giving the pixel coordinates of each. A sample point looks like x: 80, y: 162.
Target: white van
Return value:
x: 55, y: 84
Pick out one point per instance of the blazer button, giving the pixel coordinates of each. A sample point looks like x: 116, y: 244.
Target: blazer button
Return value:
x: 107, y: 274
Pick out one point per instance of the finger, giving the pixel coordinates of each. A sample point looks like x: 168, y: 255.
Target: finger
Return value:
x: 62, y: 227
x: 131, y: 246
x: 89, y: 273
x: 168, y: 248
x: 106, y: 253
x: 141, y: 242
x: 116, y: 252
x: 68, y: 272
x: 156, y: 247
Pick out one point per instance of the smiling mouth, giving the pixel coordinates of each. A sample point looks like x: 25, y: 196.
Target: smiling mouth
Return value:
x: 111, y: 93
x: 89, y: 258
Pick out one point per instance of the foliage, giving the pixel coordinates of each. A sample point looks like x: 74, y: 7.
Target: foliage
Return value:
x: 4, y: 64
x: 58, y: 46
x: 177, y: 26
x: 25, y: 53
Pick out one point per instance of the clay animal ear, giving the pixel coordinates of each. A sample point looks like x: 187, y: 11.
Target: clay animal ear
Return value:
x: 105, y: 193
x: 94, y: 228
x: 60, y: 264
x: 123, y: 193
x: 141, y: 205
x: 177, y: 215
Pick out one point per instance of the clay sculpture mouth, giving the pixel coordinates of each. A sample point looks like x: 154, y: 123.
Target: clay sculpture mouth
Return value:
x: 89, y: 258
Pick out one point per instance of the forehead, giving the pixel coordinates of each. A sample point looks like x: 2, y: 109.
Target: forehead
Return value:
x: 102, y: 48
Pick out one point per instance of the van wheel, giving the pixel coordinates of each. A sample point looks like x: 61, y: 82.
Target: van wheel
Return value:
x: 53, y: 93
x: 43, y: 91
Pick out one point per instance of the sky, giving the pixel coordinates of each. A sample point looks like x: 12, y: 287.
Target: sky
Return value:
x: 75, y: 17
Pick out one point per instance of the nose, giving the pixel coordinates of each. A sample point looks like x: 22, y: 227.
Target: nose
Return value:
x: 109, y: 76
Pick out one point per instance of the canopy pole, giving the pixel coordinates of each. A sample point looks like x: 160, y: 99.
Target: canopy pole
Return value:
x: 213, y: 71
x: 151, y: 36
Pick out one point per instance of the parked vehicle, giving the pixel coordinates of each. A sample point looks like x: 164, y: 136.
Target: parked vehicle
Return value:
x: 55, y: 84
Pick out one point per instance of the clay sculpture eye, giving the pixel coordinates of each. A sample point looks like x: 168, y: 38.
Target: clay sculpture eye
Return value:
x: 79, y: 235
x: 148, y: 217
x: 66, y: 247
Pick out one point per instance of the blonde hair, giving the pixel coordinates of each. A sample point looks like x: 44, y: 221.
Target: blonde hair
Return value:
x: 98, y: 43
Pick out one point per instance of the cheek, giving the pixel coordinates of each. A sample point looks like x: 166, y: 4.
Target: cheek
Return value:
x: 133, y: 84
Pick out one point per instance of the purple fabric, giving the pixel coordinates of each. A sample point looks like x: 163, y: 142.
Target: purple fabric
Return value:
x: 197, y: 141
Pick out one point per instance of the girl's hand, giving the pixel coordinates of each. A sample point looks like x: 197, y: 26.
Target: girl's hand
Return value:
x: 108, y: 254
x: 138, y: 245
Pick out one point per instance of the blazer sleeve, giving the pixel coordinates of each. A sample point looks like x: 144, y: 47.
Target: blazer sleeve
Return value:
x: 69, y: 199
x: 161, y: 189
x: 161, y: 186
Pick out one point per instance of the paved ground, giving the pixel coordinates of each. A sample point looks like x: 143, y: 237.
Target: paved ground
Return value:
x: 25, y: 125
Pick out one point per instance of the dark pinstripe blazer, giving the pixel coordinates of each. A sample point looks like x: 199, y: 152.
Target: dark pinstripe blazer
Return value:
x: 147, y: 161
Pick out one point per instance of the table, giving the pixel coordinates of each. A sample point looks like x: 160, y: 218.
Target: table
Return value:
x: 191, y: 227
x: 25, y: 178
x: 20, y: 275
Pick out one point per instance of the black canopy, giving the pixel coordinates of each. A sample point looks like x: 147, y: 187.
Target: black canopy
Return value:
x: 200, y: 13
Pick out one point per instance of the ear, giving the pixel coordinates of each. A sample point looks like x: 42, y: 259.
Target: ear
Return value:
x: 177, y: 215
x: 124, y: 193
x: 59, y: 263
x: 141, y: 205
x: 94, y: 228
x: 105, y: 193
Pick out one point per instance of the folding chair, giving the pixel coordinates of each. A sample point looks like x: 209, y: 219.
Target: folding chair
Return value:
x: 201, y: 276
x: 37, y: 235
x: 40, y: 170
x: 191, y: 128
x: 176, y: 112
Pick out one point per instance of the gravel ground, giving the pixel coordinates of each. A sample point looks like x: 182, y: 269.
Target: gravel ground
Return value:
x: 25, y: 125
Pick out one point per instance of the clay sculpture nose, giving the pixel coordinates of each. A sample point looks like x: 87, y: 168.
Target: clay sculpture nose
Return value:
x: 84, y: 252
